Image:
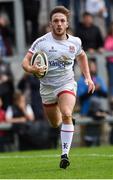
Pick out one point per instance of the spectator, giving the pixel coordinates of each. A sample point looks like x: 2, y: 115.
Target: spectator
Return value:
x: 109, y: 6
x: 31, y: 14
x: 2, y: 132
x: 108, y: 45
x: 99, y: 11
x: 6, y: 83
x: 30, y: 85
x: 100, y: 91
x: 91, y: 104
x: 20, y: 115
x: 6, y: 138
x: 5, y: 36
x: 8, y: 8
x: 96, y: 7
x: 90, y: 34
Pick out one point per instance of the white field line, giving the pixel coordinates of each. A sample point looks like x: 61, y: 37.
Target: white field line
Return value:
x: 53, y: 156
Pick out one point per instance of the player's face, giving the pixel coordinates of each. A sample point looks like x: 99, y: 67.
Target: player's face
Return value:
x: 59, y: 24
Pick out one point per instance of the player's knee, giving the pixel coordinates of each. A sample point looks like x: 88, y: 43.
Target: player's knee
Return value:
x: 66, y: 115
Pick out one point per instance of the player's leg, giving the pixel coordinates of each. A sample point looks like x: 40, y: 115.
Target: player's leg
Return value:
x: 50, y: 105
x: 66, y: 102
x: 66, y: 105
x: 53, y: 114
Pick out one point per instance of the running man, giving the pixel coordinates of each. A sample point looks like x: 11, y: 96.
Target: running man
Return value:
x: 57, y: 88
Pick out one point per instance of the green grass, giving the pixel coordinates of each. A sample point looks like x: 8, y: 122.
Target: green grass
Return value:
x: 86, y: 163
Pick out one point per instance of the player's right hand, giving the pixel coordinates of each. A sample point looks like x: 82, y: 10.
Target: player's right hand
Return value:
x: 38, y: 69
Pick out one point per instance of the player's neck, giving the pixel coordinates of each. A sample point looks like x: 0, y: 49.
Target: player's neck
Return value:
x: 61, y: 37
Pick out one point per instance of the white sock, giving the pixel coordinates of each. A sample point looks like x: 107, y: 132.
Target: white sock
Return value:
x: 67, y: 131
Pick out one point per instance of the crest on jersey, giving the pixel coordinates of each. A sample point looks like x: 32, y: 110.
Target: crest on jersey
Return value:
x: 64, y: 58
x: 72, y: 49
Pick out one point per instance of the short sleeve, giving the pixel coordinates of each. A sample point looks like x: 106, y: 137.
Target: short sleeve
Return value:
x: 34, y: 47
x: 79, y: 46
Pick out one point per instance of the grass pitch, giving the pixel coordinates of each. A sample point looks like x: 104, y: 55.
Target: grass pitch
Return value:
x: 86, y: 163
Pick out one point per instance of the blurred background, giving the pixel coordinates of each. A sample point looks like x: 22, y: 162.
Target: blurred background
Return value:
x: 23, y: 124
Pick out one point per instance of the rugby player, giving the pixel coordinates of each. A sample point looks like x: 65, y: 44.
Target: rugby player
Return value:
x: 58, y: 87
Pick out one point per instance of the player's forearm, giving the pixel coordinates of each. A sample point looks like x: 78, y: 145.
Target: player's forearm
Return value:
x: 83, y: 63
x: 33, y: 69
x: 26, y: 65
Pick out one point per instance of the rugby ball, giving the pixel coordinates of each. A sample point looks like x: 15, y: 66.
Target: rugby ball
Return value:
x: 40, y: 59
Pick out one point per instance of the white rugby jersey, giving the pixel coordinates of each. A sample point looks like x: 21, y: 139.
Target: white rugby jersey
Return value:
x: 61, y: 55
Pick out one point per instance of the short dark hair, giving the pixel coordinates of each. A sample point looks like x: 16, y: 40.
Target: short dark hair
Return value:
x: 60, y: 9
x: 87, y: 14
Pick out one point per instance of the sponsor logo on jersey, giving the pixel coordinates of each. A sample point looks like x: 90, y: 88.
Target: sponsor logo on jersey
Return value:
x: 52, y: 49
x: 60, y: 64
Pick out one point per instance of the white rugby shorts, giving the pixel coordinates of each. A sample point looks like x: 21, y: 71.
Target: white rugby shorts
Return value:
x: 50, y: 94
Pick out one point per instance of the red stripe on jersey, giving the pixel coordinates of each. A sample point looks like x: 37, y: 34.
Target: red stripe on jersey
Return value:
x: 49, y: 105
x: 69, y: 92
x: 30, y: 52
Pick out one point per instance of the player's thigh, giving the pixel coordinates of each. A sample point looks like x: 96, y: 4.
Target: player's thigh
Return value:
x: 66, y: 103
x: 53, y: 114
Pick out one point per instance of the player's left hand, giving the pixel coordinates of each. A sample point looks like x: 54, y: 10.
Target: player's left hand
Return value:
x: 90, y: 84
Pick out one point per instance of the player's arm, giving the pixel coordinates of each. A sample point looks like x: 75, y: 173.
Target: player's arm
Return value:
x: 34, y: 69
x: 83, y: 63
